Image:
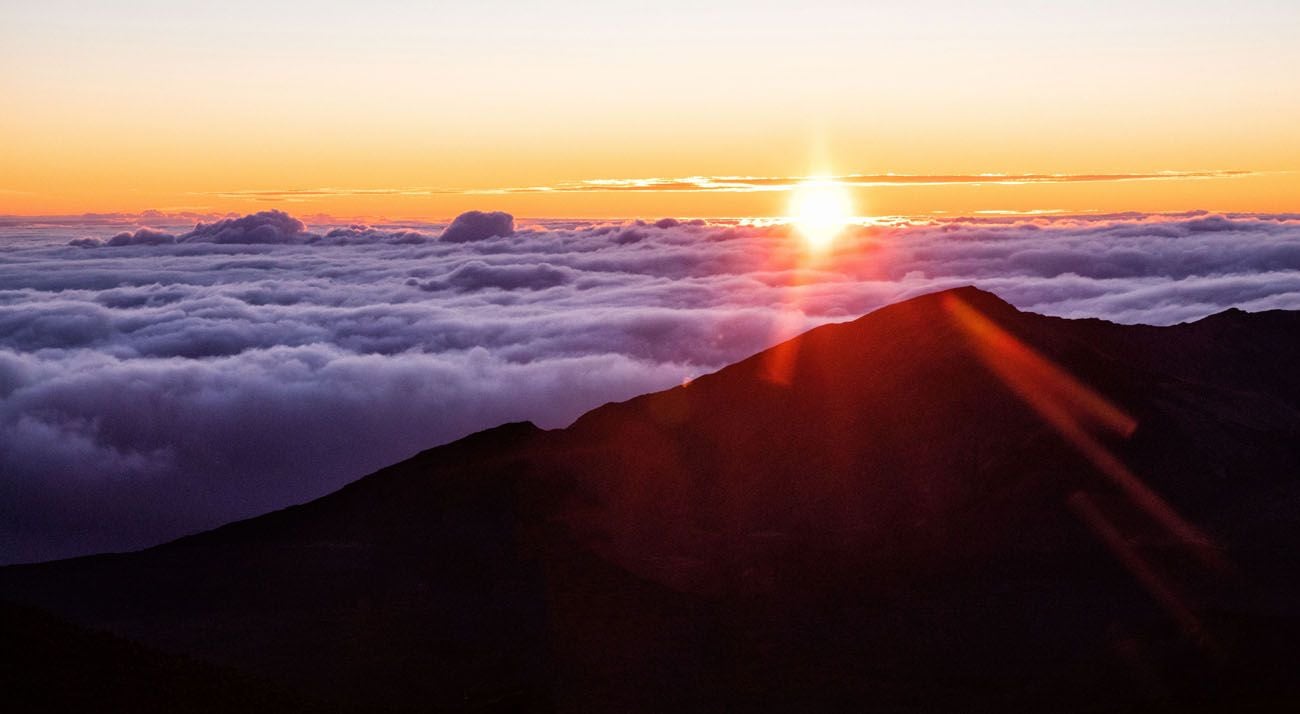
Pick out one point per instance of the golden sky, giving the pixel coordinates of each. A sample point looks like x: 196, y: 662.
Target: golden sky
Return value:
x: 407, y: 109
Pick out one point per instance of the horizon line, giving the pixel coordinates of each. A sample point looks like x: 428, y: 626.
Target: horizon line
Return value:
x: 122, y: 218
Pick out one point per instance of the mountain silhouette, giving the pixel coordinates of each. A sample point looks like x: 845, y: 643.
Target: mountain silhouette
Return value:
x: 945, y: 505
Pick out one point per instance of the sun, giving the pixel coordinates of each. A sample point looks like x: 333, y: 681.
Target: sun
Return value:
x: 820, y: 209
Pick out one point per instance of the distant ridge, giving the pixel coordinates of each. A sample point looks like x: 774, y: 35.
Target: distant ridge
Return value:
x: 945, y: 505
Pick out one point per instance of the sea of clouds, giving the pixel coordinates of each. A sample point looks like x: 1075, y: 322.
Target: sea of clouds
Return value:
x: 160, y: 379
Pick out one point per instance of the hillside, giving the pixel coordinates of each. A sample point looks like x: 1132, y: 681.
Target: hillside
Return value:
x: 945, y: 505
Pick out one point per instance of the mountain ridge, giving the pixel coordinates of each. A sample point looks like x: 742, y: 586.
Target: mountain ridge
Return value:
x: 924, y: 476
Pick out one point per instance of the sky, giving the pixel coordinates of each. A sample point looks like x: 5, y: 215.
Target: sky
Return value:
x: 159, y: 381
x: 230, y: 278
x: 397, y: 110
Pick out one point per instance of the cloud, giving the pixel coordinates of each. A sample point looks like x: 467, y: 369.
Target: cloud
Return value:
x: 361, y: 234
x: 157, y: 388
x: 747, y: 184
x: 730, y: 184
x: 477, y: 225
x: 478, y: 275
x: 266, y: 227
x: 142, y: 236
x: 263, y: 227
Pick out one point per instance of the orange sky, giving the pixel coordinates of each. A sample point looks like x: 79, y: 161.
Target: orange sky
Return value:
x: 407, y: 110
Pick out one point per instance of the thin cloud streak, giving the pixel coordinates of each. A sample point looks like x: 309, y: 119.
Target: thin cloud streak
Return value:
x: 714, y: 184
x: 732, y: 184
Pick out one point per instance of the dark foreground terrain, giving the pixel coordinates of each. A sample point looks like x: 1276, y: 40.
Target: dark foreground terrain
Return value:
x: 947, y: 505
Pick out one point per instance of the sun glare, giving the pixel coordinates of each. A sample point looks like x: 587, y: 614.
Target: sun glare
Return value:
x: 820, y: 209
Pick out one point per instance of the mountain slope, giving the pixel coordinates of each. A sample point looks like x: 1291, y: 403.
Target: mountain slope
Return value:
x: 947, y: 504
x: 57, y: 667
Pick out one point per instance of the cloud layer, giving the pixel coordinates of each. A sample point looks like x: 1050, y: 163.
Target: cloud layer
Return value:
x: 158, y: 380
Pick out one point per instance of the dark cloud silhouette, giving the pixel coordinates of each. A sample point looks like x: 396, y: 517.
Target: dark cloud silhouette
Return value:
x: 262, y: 227
x: 157, y: 388
x: 478, y: 225
x: 142, y: 236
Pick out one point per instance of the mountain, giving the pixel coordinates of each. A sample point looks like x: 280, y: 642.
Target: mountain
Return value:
x: 53, y: 666
x: 945, y: 505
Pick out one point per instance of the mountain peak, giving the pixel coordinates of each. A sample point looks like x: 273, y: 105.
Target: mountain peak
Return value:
x: 941, y: 300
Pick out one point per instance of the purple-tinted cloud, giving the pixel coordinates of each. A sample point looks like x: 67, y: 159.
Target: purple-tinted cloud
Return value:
x: 266, y: 227
x: 153, y: 389
x: 477, y: 225
x: 362, y: 234
x: 478, y: 275
x: 142, y: 236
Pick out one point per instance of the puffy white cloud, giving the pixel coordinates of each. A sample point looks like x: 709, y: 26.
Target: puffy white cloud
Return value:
x: 157, y: 387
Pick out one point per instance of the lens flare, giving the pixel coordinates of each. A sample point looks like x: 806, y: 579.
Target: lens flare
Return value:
x: 820, y: 209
